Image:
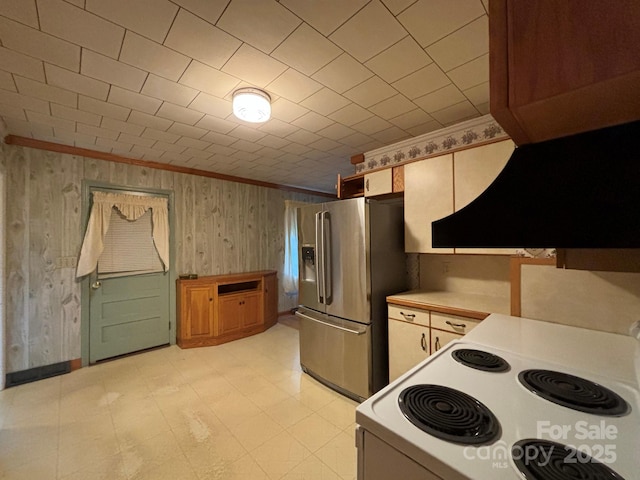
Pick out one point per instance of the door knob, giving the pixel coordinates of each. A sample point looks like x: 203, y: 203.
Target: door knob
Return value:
x: 96, y: 285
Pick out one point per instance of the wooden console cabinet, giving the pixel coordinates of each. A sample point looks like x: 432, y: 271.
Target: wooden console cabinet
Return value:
x: 221, y: 308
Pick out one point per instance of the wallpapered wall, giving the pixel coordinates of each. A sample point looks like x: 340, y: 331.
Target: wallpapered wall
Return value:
x: 220, y: 227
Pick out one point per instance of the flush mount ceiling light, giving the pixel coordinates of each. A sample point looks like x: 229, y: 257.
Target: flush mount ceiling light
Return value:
x: 251, y: 105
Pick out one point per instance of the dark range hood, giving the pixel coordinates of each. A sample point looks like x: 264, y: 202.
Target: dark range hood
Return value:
x: 581, y: 191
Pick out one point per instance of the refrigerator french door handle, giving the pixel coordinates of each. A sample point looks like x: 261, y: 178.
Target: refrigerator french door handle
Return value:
x: 326, y: 258
x: 319, y: 258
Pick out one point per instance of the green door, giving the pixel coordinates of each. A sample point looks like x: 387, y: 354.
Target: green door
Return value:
x: 128, y: 314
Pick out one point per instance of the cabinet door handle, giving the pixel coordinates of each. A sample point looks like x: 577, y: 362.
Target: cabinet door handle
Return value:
x: 437, y: 344
x: 459, y: 325
x: 211, y: 299
x: 408, y: 316
x: 366, y: 184
x: 423, y: 342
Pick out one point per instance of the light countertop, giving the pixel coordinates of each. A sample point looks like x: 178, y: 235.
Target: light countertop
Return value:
x: 454, y: 303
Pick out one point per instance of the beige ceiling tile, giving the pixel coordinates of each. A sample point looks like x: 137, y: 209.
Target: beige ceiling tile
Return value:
x: 306, y: 50
x: 431, y: 126
x: 154, y: 134
x: 479, y: 94
x: 294, y: 86
x: 179, y: 114
x: 75, y: 82
x: 278, y: 128
x: 463, y: 45
x: 352, y: 113
x: 194, y: 37
x: 76, y: 115
x: 456, y: 113
x: 31, y: 88
x: 151, y: 121
x: 218, y: 138
x: 483, y: 108
x: 325, y: 101
x: 210, y: 10
x: 209, y: 80
x: 136, y: 101
x: 193, y: 143
x: 247, y: 133
x: 28, y: 129
x: 211, y: 105
x: 194, y: 152
x: 303, y: 137
x: 370, y: 31
x: 163, y: 89
x: 371, y: 92
x: 287, y: 111
x: 325, y: 17
x: 80, y: 27
x: 169, y: 147
x: 222, y: 149
x: 216, y: 124
x: 253, y: 66
x: 24, y: 65
x: 92, y: 105
x: 342, y: 74
x: 295, y: 149
x: 356, y: 140
x: 312, y: 122
x: 445, y: 17
x: 273, y: 141
x: 73, y: 137
x: 412, y: 118
x: 151, y: 18
x: 136, y: 140
x: 392, y: 107
x: 246, y: 146
x: 23, y: 11
x: 12, y: 112
x: 425, y: 80
x: 50, y: 120
x: 124, y: 127
x: 176, y: 159
x: 152, y: 57
x: 114, y: 145
x: 399, y: 60
x: 268, y: 152
x: 397, y: 6
x: 471, y: 74
x: 264, y: 25
x: 97, y: 131
x: 6, y: 81
x: 441, y: 98
x: 111, y: 71
x: 146, y: 152
x: 372, y: 125
x: 187, y: 130
x: 336, y: 131
x: 390, y: 135
x: 39, y: 45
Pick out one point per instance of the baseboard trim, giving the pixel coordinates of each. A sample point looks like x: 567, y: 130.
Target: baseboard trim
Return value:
x: 38, y: 373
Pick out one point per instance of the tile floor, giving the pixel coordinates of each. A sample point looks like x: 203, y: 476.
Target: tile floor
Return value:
x: 242, y: 410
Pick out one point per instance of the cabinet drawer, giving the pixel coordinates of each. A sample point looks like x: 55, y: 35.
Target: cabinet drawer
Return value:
x: 453, y: 323
x: 439, y: 339
x: 413, y: 315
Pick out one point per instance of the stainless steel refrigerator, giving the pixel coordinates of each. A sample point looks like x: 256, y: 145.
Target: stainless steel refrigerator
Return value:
x: 351, y: 256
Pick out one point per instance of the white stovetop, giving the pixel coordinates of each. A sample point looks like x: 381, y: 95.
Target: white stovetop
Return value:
x: 603, y: 358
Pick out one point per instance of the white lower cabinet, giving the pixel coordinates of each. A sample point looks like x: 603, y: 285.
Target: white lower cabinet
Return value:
x: 409, y: 344
x: 414, y: 334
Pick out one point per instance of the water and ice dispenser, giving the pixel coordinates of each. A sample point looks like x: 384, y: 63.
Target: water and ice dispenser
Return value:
x: 309, y: 263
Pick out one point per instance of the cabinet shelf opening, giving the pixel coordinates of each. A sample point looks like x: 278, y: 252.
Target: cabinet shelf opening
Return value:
x: 240, y: 287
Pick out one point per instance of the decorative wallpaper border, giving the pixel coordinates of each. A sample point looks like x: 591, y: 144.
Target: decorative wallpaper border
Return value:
x: 449, y: 139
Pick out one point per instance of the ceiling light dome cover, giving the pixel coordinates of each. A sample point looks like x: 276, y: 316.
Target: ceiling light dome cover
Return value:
x: 251, y: 105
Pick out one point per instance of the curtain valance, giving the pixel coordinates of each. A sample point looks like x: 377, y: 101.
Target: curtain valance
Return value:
x: 131, y: 207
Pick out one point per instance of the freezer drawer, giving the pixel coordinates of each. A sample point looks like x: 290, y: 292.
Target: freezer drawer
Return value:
x: 336, y: 352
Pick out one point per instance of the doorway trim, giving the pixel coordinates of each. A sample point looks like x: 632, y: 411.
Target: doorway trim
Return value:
x: 87, y: 187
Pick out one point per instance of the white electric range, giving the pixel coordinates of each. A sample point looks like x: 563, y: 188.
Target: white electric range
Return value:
x: 514, y: 425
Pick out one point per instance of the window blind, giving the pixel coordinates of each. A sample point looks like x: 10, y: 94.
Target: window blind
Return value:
x: 129, y: 247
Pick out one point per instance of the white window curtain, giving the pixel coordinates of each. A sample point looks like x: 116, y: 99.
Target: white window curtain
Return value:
x: 290, y: 275
x: 131, y: 207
